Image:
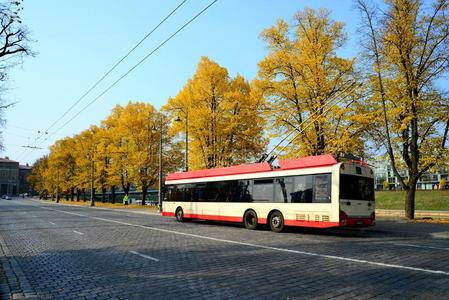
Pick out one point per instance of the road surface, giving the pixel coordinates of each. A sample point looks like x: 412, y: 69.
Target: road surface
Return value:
x: 52, y: 251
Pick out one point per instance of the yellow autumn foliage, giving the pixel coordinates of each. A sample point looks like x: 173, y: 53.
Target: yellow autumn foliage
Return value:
x: 301, y: 77
x: 225, y: 126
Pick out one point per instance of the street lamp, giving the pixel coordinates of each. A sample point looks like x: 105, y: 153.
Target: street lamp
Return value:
x: 92, y: 170
x: 186, y: 152
x: 160, y: 163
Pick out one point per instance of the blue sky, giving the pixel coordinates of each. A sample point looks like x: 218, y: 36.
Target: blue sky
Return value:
x: 78, y: 41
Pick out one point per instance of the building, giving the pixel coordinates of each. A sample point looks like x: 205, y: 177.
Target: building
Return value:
x: 9, y: 177
x: 383, y: 171
x: 13, y: 177
x: 24, y: 186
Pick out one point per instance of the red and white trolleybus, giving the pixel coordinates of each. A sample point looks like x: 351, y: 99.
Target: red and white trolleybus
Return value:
x: 314, y: 191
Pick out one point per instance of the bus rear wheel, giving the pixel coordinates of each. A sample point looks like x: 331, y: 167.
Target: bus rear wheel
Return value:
x: 179, y: 214
x: 276, y: 221
x: 250, y: 220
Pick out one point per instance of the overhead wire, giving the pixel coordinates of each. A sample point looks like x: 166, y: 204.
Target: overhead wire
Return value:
x: 114, y: 66
x: 131, y: 69
x: 306, y: 123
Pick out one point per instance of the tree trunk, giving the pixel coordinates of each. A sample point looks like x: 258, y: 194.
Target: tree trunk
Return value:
x: 78, y: 193
x: 410, y: 200
x: 144, y: 194
x: 72, y: 193
x: 113, y: 194
x: 66, y: 197
x: 126, y: 188
x: 84, y: 194
x: 103, y: 194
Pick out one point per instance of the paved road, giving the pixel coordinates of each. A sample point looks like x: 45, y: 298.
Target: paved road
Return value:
x: 53, y: 251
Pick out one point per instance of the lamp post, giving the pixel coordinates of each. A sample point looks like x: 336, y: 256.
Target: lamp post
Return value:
x: 160, y: 129
x: 92, y: 196
x: 160, y: 168
x: 186, y: 152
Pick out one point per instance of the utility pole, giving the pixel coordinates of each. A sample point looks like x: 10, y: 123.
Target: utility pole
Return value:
x: 92, y: 200
x: 160, y: 166
x: 57, y: 186
x: 186, y: 158
x: 186, y: 152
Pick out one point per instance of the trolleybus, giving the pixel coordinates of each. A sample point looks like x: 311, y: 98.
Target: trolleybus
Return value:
x: 314, y: 191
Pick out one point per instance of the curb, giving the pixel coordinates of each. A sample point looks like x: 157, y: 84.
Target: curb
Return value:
x: 418, y: 213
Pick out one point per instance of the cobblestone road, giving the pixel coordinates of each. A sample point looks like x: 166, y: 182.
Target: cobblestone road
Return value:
x: 51, y: 251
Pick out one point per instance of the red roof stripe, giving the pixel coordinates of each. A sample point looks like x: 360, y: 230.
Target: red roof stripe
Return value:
x: 227, y: 171
x: 290, y: 164
x: 308, y: 162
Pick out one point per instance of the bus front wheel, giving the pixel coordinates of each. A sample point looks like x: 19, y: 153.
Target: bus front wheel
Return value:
x: 250, y: 220
x: 179, y: 214
x: 276, y: 221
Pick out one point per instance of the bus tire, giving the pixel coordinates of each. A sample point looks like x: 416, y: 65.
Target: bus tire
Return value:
x: 179, y: 214
x: 276, y: 221
x: 250, y: 220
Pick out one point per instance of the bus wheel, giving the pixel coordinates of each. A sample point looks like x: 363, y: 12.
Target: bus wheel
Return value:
x: 250, y: 219
x: 179, y: 214
x: 276, y: 221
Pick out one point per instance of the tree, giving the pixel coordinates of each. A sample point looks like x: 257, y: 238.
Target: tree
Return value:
x: 14, y: 43
x: 85, y: 146
x: 386, y: 184
x: 119, y: 151
x: 56, y: 173
x: 302, y: 76
x: 224, y: 122
x: 141, y: 123
x: 407, y: 51
x: 37, y: 175
x: 63, y: 161
x: 101, y: 160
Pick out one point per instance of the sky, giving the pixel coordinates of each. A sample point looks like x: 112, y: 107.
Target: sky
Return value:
x: 76, y: 42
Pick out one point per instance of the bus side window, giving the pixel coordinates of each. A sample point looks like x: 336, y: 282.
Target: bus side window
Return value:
x: 263, y: 190
x: 321, y: 189
x: 283, y: 189
x: 189, y: 192
x: 303, y: 189
x: 211, y: 192
x: 244, y: 191
x: 231, y: 191
x: 178, y: 194
x: 200, y: 192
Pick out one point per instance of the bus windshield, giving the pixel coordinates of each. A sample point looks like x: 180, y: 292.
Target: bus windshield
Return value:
x: 356, y: 187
